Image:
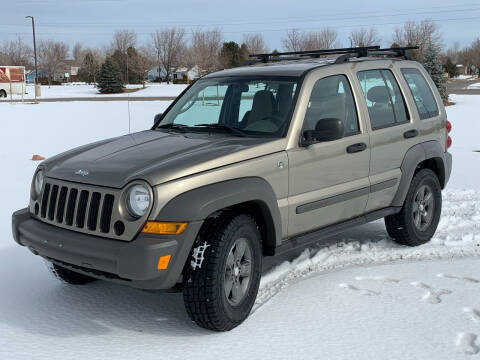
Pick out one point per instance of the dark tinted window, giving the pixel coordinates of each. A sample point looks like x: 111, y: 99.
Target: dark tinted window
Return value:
x: 332, y: 97
x: 385, y: 103
x: 424, y: 99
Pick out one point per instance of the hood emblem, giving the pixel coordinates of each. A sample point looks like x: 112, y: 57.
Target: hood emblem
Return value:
x: 81, y: 172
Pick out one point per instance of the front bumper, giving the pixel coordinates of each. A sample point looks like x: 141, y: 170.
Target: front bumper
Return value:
x: 132, y: 263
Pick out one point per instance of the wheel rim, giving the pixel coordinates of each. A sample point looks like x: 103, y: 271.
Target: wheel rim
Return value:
x: 238, y: 269
x: 423, y: 207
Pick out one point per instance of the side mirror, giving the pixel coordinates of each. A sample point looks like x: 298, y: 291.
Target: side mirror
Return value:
x: 325, y: 130
x: 157, y: 118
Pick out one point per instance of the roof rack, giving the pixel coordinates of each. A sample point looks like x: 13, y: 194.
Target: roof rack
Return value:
x: 345, y: 54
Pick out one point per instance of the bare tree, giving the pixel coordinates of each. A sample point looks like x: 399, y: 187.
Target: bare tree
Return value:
x: 300, y: 41
x: 255, y: 43
x: 143, y: 63
x: 323, y: 39
x: 122, y: 40
x: 364, y: 37
x: 52, y: 56
x: 293, y: 41
x: 16, y: 52
x: 78, y: 53
x: 205, y: 50
x: 420, y: 34
x: 168, y: 44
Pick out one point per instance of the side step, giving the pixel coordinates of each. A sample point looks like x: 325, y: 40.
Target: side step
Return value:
x: 315, y: 236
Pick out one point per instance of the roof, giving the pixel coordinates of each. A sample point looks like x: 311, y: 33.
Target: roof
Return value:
x: 282, y: 68
x: 293, y: 68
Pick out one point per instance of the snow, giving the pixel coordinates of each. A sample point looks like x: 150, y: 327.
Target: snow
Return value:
x: 355, y: 296
x: 474, y: 86
x: 82, y: 90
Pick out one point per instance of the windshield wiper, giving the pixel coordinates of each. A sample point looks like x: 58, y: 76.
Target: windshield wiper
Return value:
x: 229, y: 128
x: 180, y: 127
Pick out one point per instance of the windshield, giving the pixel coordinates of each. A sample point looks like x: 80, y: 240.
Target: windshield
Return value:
x: 256, y: 107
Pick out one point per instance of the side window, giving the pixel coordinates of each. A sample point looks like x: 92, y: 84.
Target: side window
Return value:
x: 385, y: 103
x: 332, y: 97
x: 424, y: 99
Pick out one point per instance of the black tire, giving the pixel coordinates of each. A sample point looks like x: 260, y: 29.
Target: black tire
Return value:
x: 3, y: 94
x: 410, y: 226
x: 69, y: 276
x: 205, y: 288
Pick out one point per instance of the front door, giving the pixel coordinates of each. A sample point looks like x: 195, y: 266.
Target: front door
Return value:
x: 328, y: 181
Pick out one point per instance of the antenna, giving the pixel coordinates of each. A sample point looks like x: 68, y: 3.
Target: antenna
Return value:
x: 128, y: 106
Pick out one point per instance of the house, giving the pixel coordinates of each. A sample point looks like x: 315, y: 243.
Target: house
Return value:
x: 461, y: 69
x: 180, y: 73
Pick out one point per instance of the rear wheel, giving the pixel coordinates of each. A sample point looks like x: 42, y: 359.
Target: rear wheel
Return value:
x: 69, y: 276
x: 222, y: 276
x: 416, y: 223
x: 3, y: 94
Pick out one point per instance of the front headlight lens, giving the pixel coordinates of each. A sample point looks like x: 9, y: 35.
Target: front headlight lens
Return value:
x: 138, y: 200
x: 38, y: 182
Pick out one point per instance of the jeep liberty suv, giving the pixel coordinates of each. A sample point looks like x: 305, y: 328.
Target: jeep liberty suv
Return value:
x: 246, y: 163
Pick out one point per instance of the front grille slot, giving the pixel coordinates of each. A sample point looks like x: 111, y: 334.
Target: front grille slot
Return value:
x: 46, y: 193
x: 72, y: 200
x: 82, y: 208
x: 93, y: 211
x: 106, y: 217
x: 76, y: 207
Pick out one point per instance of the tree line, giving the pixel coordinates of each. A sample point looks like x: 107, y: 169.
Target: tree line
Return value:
x: 170, y: 49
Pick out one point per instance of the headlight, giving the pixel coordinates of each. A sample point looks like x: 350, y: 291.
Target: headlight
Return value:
x: 38, y: 182
x: 138, y: 200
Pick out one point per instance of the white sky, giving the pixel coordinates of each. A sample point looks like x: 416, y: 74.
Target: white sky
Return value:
x: 93, y: 22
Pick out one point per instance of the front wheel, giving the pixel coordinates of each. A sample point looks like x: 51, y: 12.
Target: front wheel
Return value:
x: 416, y: 223
x: 3, y: 94
x: 222, y: 276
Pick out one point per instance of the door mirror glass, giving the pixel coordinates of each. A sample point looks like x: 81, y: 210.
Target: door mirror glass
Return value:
x: 325, y: 130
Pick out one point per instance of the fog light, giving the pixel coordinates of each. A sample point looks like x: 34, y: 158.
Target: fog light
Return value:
x: 164, y: 228
x: 163, y: 262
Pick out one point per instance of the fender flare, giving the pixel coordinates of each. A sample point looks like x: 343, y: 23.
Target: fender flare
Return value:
x: 413, y: 157
x: 200, y: 203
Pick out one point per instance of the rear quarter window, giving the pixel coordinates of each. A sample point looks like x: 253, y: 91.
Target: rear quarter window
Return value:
x: 421, y: 92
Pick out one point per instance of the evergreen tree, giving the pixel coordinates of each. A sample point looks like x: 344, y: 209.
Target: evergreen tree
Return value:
x: 450, y: 68
x: 109, y: 78
x: 233, y: 55
x: 434, y: 67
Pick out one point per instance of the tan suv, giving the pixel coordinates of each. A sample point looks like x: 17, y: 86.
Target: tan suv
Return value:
x: 246, y: 163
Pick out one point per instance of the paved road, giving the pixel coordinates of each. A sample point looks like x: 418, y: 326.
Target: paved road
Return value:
x: 459, y: 87
x: 99, y: 98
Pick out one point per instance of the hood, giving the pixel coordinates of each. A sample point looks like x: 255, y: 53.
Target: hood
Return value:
x: 154, y: 156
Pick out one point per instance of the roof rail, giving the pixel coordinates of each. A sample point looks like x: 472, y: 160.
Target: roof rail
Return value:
x: 345, y: 53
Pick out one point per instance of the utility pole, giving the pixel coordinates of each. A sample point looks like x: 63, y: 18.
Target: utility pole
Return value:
x: 35, y: 56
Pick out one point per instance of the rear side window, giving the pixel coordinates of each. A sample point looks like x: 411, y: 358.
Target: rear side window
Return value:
x: 421, y: 92
x: 385, y: 103
x: 332, y: 97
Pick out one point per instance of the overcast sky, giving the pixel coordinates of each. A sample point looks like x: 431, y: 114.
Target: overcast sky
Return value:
x: 92, y: 22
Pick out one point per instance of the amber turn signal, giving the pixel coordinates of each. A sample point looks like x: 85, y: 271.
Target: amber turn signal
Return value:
x: 164, y: 228
x: 163, y: 262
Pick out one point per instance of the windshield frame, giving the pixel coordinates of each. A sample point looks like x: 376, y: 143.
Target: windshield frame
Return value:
x: 298, y: 80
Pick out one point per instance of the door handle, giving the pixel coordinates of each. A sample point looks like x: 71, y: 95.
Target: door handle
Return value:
x: 410, y: 134
x: 356, y: 148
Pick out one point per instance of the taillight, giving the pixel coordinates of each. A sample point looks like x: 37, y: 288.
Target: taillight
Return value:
x: 448, y: 139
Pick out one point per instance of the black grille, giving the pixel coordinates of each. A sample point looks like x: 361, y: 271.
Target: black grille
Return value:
x: 77, y: 208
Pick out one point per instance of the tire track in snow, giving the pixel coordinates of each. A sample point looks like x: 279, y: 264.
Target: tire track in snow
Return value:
x: 457, y: 235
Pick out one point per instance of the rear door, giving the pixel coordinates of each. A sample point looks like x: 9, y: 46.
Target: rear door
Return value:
x: 328, y: 181
x: 392, y: 132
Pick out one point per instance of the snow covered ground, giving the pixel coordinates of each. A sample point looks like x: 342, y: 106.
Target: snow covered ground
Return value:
x: 356, y: 296
x: 474, y: 86
x: 81, y: 90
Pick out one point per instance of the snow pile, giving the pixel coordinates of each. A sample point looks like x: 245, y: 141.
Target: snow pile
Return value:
x: 474, y: 86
